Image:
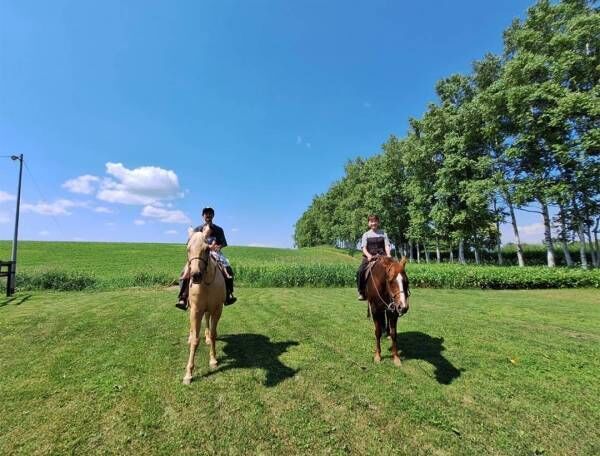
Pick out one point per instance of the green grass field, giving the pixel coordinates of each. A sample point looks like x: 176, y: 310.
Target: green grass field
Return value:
x: 72, y: 266
x: 484, y: 372
x: 114, y: 259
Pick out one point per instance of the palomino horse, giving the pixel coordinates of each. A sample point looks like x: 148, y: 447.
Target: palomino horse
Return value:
x: 207, y: 294
x: 387, y: 293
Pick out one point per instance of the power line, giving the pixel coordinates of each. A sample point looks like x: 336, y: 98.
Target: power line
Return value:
x: 44, y: 200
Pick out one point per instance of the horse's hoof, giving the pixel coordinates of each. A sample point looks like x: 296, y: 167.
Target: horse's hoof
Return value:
x: 397, y: 362
x: 187, y: 380
x: 213, y: 363
x: 377, y: 358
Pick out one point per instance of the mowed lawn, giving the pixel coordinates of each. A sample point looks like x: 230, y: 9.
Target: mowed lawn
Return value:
x: 484, y: 372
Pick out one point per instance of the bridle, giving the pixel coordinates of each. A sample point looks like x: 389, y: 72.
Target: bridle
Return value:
x: 206, y: 262
x: 391, y: 306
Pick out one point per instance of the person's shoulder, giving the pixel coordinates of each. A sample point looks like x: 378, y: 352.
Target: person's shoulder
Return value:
x: 199, y: 228
x: 217, y: 227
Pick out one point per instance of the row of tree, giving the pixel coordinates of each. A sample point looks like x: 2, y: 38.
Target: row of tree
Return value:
x: 521, y: 131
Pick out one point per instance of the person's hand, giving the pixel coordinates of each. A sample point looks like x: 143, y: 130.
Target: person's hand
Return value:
x: 369, y: 257
x: 215, y: 247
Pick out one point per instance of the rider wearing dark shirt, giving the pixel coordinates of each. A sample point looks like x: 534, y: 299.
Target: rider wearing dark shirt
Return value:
x: 218, y: 242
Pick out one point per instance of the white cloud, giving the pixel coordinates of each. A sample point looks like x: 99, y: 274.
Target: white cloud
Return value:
x: 103, y: 210
x: 44, y: 233
x: 254, y: 244
x: 165, y: 215
x: 139, y: 222
x: 171, y: 232
x: 110, y: 224
x: 308, y: 145
x: 4, y: 196
x: 4, y: 218
x: 85, y: 184
x: 298, y: 139
x: 58, y: 207
x: 234, y: 230
x: 142, y: 186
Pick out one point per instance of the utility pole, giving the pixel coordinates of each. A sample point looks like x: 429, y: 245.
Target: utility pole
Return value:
x: 14, y: 245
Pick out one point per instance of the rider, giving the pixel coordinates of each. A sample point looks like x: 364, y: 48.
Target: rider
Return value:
x: 374, y: 242
x: 217, y: 242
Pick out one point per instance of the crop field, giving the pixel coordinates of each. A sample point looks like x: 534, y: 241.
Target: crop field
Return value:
x: 484, y: 372
x: 78, y: 266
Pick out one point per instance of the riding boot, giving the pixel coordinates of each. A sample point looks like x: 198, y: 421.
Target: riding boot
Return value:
x: 229, y: 287
x: 360, y: 280
x: 184, y: 288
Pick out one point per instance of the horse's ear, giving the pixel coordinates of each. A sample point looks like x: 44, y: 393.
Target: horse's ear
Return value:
x: 403, y: 262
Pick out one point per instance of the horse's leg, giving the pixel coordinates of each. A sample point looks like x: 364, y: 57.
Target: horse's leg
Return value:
x: 195, y: 321
x: 207, y: 328
x: 378, y: 329
x: 393, y: 322
x: 214, y: 320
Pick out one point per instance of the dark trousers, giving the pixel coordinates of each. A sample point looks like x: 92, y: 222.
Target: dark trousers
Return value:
x: 360, y: 276
x: 184, y: 286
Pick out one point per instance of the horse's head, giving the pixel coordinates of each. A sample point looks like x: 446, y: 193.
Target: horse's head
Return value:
x: 397, y: 284
x: 198, y: 253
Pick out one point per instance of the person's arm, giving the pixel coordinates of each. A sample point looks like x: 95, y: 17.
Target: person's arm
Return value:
x: 220, y: 240
x: 388, y: 247
x: 364, y: 247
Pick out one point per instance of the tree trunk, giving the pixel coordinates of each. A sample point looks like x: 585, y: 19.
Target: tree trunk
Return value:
x: 426, y: 252
x: 596, y: 237
x: 418, y: 253
x: 513, y: 219
x: 591, y: 244
x: 476, y: 251
x: 438, y: 255
x: 410, y: 250
x: 499, y: 243
x: 563, y: 237
x: 461, y: 251
x: 451, y: 254
x: 548, y: 234
x: 582, y: 254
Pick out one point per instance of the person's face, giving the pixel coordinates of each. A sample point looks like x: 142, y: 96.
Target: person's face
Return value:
x: 374, y: 224
x: 208, y: 217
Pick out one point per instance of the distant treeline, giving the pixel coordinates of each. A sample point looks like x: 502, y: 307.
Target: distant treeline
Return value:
x: 521, y: 131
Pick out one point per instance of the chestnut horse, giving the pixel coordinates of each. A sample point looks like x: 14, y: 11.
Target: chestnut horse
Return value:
x: 387, y: 293
x: 206, y: 298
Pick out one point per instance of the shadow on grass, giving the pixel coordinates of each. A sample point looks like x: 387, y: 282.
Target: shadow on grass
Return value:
x: 17, y: 301
x: 418, y: 345
x: 251, y: 351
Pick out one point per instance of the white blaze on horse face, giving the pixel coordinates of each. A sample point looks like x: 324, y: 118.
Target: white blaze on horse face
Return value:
x: 403, y: 298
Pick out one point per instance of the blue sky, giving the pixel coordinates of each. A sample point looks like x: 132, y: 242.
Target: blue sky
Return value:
x: 134, y: 115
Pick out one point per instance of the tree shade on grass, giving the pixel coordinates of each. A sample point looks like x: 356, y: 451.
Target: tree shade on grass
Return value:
x: 484, y: 372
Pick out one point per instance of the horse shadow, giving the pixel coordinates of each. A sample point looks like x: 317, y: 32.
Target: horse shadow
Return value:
x: 418, y: 345
x: 251, y: 351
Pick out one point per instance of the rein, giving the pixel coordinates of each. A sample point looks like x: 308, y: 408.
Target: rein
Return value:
x: 391, y: 306
x: 206, y: 262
